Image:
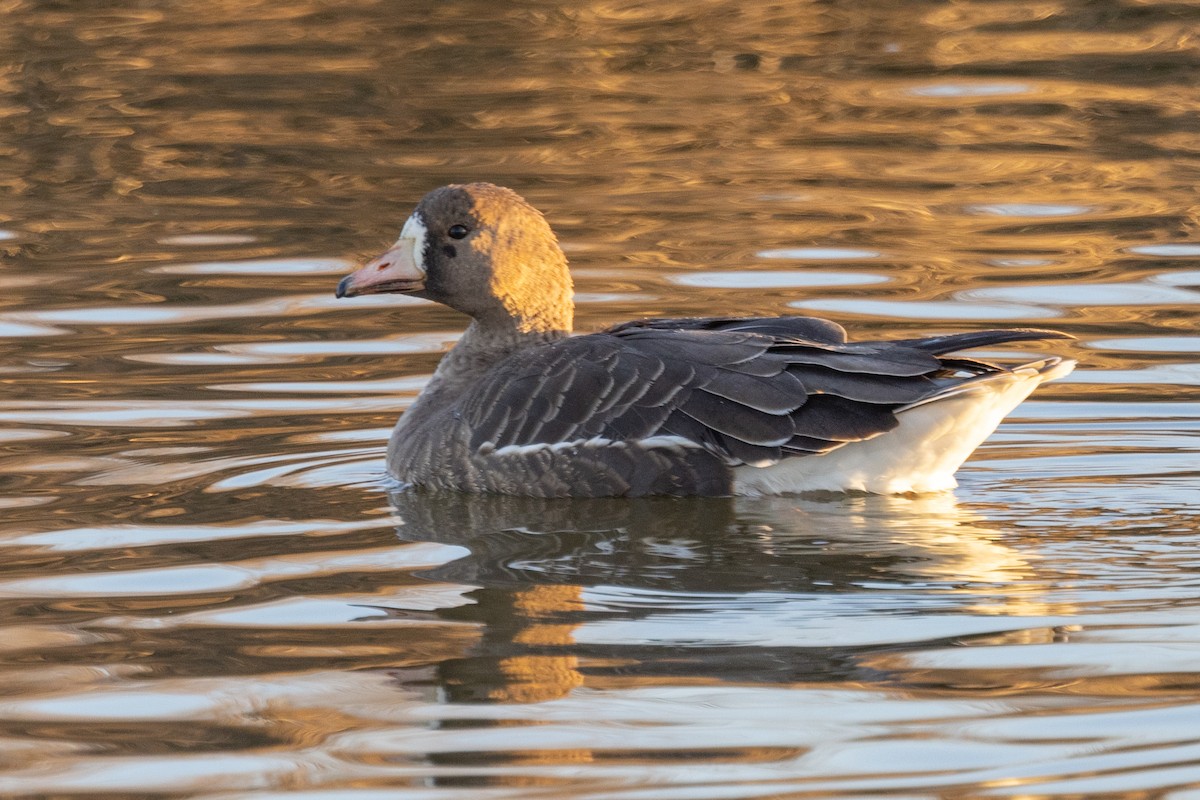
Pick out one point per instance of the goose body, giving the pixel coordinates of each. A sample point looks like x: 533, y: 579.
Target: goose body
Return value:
x: 708, y: 406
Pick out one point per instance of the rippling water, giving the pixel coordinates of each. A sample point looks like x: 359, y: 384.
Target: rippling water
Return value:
x: 207, y: 589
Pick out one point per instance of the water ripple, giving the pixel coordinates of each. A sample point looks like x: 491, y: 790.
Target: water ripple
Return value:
x: 165, y: 314
x: 819, y: 254
x: 960, y: 90
x: 756, y: 279
x: 170, y: 413
x: 209, y: 578
x: 80, y: 539
x: 933, y: 309
x: 207, y: 239
x: 1028, y: 210
x: 1181, y: 250
x: 1087, y: 294
x: 274, y: 266
x: 211, y: 588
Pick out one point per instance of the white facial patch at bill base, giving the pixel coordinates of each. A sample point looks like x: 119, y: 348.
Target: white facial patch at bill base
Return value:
x: 415, y: 235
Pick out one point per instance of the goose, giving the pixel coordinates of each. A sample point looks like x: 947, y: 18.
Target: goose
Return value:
x: 708, y: 406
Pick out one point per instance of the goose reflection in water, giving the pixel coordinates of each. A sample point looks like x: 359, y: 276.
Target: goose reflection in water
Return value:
x: 605, y: 593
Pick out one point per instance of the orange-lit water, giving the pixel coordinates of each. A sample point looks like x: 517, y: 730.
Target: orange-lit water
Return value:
x: 205, y: 589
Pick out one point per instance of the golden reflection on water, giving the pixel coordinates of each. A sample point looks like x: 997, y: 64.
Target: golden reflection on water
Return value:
x: 940, y: 542
x: 206, y: 590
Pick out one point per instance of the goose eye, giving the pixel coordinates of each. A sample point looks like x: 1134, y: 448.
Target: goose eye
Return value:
x: 458, y: 231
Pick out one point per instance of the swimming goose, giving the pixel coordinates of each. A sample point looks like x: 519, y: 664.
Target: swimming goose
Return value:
x: 707, y: 406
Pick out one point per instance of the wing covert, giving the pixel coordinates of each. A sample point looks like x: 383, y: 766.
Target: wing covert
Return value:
x: 742, y: 391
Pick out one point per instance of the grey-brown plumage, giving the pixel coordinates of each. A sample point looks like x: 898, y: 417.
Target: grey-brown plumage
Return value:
x: 678, y: 406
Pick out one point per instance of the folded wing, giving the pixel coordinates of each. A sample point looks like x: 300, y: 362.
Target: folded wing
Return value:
x: 708, y: 395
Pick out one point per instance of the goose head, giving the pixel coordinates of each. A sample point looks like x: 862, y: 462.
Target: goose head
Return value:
x: 479, y: 249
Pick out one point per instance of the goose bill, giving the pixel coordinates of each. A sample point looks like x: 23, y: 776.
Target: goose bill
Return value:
x: 396, y: 271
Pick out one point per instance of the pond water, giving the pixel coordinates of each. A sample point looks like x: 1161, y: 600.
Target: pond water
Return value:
x: 209, y: 589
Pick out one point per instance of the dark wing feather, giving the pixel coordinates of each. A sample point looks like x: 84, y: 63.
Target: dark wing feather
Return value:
x: 956, y: 342
x: 686, y: 427
x: 895, y: 390
x: 755, y: 455
x: 768, y: 365
x: 812, y: 329
x: 749, y: 391
x: 780, y: 394
x: 630, y: 381
x: 738, y: 420
x: 809, y: 445
x: 703, y: 347
x: 837, y: 419
x: 865, y: 357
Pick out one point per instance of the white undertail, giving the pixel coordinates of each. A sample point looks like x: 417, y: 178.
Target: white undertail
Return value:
x: 932, y: 441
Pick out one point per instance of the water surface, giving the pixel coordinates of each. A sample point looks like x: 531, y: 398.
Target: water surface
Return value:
x: 209, y: 589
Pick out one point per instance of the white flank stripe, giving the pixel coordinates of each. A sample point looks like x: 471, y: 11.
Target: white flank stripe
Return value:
x: 669, y: 442
x: 652, y: 442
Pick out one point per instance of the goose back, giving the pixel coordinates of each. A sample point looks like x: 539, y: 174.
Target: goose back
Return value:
x: 676, y: 406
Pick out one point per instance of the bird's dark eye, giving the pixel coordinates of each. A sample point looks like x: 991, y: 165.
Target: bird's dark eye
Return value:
x: 458, y: 231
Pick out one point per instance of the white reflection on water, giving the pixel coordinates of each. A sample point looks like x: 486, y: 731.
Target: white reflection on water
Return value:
x: 930, y: 309
x: 1020, y: 262
x: 126, y: 583
x: 208, y: 239
x: 81, y: 539
x: 1149, y: 344
x: 1168, y: 374
x: 287, y: 352
x: 355, y: 435
x: 171, y: 774
x: 158, y: 414
x: 362, y: 467
x: 819, y: 253
x: 772, y: 279
x: 1190, y: 279
x: 1028, y: 210
x: 28, y: 434
x: 378, y: 386
x: 326, y: 612
x: 15, y: 329
x: 1087, y: 294
x: 200, y: 359
x: 346, y: 467
x: 230, y: 575
x: 820, y: 620
x: 586, y: 298
x: 1083, y: 657
x: 24, y: 502
x: 960, y: 90
x: 273, y: 266
x: 1181, y: 250
x: 124, y: 706
x: 285, y: 305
